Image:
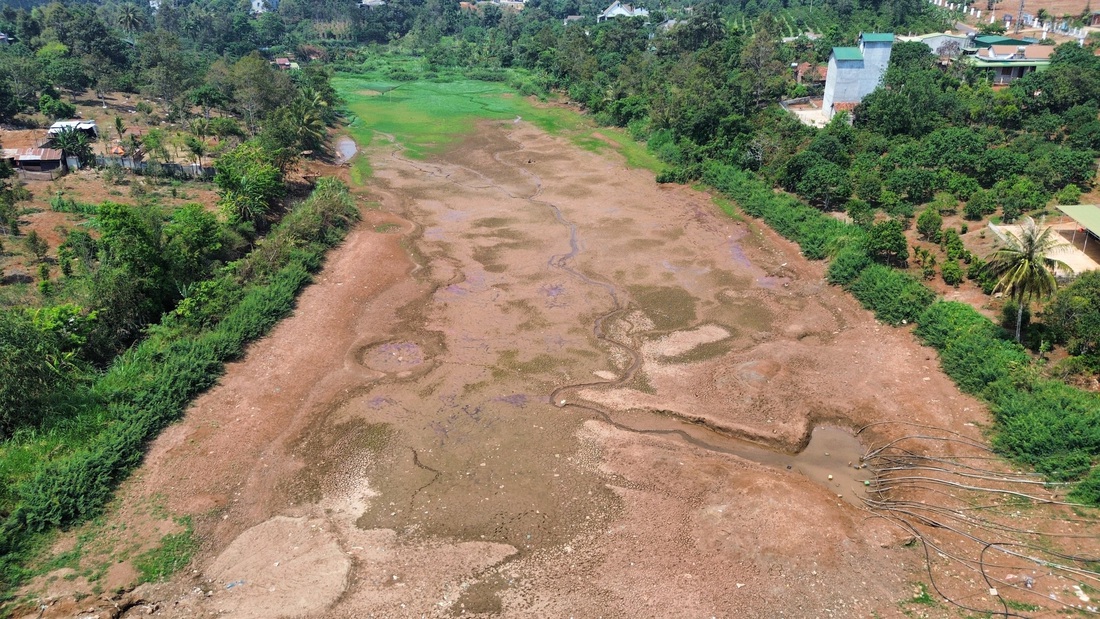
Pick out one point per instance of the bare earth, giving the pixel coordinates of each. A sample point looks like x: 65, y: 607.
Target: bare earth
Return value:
x: 480, y: 406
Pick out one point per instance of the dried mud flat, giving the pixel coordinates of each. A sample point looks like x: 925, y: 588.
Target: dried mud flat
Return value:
x: 519, y: 389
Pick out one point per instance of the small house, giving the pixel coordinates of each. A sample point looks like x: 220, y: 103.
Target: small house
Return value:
x: 283, y: 64
x: 619, y: 9
x: 87, y: 127
x: 1011, y: 62
x: 5, y: 39
x: 570, y: 19
x: 811, y: 73
x: 1094, y: 19
x: 35, y: 163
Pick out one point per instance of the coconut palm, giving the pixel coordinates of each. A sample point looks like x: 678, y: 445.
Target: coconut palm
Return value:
x: 1023, y: 266
x: 130, y: 18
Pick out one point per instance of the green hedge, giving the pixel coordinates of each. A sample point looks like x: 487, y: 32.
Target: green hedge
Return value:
x: 895, y: 297
x: 149, y: 387
x: 1039, y: 422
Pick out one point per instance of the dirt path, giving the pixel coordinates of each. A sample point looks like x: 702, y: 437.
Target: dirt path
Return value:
x: 479, y: 408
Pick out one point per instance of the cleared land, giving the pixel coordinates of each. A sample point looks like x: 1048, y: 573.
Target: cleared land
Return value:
x: 522, y: 388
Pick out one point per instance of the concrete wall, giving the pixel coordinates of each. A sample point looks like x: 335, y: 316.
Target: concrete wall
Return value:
x: 844, y: 83
x: 876, y: 57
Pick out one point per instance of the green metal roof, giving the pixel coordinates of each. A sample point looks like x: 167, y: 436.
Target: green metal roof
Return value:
x: 878, y: 37
x: 1040, y: 64
x: 987, y: 40
x: 1088, y: 215
x: 847, y: 53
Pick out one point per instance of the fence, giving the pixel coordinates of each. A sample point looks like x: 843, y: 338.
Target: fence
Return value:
x: 48, y: 175
x: 154, y: 168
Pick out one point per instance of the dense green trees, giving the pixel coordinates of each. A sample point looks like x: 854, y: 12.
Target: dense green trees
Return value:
x: 1075, y: 315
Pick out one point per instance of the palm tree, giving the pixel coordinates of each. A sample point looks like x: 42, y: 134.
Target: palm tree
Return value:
x: 74, y: 143
x: 196, y: 147
x: 120, y: 127
x: 1023, y: 266
x: 130, y: 18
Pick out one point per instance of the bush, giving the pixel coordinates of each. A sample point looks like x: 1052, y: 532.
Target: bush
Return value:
x: 55, y: 109
x: 1070, y: 194
x: 847, y: 265
x: 893, y: 296
x: 944, y: 321
x: 952, y: 273
x: 980, y: 204
x: 929, y: 224
x: 1088, y: 491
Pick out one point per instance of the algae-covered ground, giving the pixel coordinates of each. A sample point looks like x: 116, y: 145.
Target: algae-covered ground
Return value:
x: 428, y: 113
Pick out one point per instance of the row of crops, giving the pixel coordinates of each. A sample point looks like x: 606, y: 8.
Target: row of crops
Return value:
x: 792, y: 21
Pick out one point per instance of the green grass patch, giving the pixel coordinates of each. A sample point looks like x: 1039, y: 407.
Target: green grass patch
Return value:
x: 360, y: 168
x: 922, y: 597
x: 173, y: 553
x: 428, y: 114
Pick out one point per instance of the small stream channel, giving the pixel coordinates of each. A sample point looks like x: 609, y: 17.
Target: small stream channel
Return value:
x: 832, y: 456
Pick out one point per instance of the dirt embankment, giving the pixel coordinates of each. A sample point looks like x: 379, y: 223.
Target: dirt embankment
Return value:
x: 480, y: 408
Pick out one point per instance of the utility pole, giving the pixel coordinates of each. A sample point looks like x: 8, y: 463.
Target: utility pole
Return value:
x: 1020, y: 17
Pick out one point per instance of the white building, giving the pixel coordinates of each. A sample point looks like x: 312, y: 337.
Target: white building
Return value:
x: 618, y: 9
x: 263, y: 6
x: 945, y: 43
x: 855, y: 72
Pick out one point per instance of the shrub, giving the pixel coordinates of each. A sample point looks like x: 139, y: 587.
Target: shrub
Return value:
x: 1088, y: 491
x: 929, y: 224
x: 952, y: 273
x: 1070, y: 194
x: 847, y: 265
x: 980, y: 204
x: 893, y: 296
x: 945, y: 203
x: 944, y: 321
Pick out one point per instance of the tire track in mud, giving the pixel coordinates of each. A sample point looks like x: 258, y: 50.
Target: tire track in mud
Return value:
x: 718, y: 439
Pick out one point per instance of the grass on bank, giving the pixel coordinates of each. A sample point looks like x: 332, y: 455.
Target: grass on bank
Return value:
x: 150, y: 386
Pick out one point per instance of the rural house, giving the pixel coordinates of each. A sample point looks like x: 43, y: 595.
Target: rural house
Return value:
x: 1011, y: 62
x: 618, y: 9
x: 855, y: 72
x: 87, y: 127
x: 35, y: 163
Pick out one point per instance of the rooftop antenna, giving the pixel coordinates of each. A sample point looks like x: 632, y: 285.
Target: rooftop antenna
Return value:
x: 1020, y: 17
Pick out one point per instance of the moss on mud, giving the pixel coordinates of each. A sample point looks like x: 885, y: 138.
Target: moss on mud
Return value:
x: 669, y: 307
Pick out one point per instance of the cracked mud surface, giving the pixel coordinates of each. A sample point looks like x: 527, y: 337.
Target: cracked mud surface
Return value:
x: 530, y: 399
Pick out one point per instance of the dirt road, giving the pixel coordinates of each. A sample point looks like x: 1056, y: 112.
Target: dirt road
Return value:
x: 519, y: 389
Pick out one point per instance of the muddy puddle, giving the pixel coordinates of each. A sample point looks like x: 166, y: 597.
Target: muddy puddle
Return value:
x: 345, y: 149
x: 832, y: 458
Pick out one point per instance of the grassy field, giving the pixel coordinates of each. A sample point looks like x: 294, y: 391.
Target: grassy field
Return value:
x: 425, y: 116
